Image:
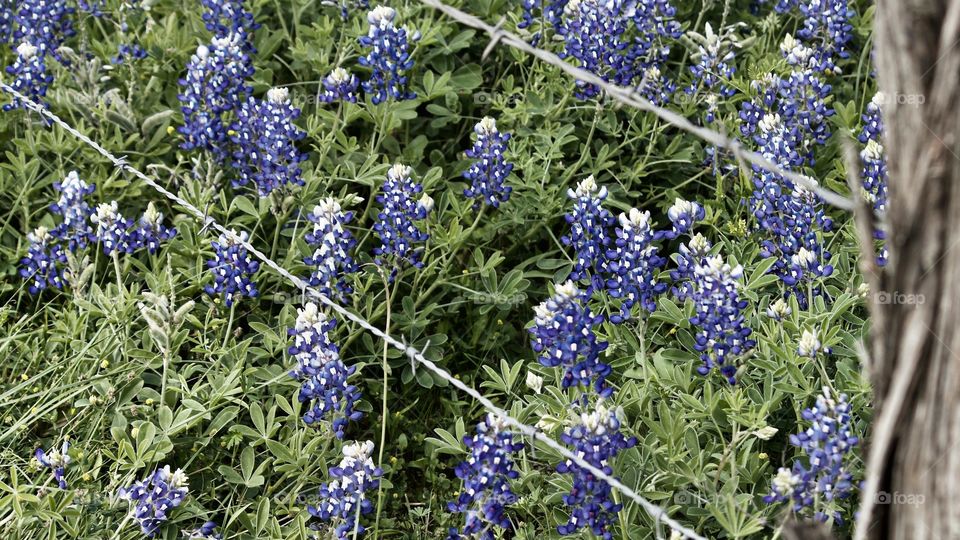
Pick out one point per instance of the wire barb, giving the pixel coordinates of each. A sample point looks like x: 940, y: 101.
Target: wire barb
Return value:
x: 494, y: 38
x: 653, y: 510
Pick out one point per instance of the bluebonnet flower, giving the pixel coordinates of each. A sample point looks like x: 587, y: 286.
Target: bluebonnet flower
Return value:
x: 620, y: 41
x: 656, y: 88
x: 232, y: 268
x: 657, y: 27
x: 41, y: 266
x: 632, y: 265
x: 213, y: 88
x: 151, y: 232
x: 227, y: 17
x: 265, y: 138
x: 129, y: 52
x: 786, y: 122
x: 57, y: 461
x: 683, y: 216
x: 6, y: 20
x: 94, y: 7
x: 389, y: 58
x: 395, y: 225
x: 155, y: 496
x: 339, y: 85
x: 552, y: 12
x: 321, y: 371
x: 207, y: 531
x: 552, y: 15
x: 798, y: 104
x: 803, y: 106
x: 589, y: 231
x: 75, y: 211
x: 563, y: 335
x: 45, y: 24
x: 688, y: 257
x: 344, y: 499
x: 827, y: 27
x: 789, y: 117
x: 801, y: 56
x: 489, y: 168
x: 332, y: 259
x: 873, y: 120
x: 713, y: 66
x: 114, y: 232
x: 597, y: 439
x: 722, y: 334
x: 30, y: 77
x: 873, y: 173
x: 594, y: 36
x: 486, y: 476
x: 827, y: 445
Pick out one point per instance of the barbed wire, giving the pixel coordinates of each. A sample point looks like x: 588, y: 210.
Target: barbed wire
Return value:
x: 633, y: 98
x: 416, y: 356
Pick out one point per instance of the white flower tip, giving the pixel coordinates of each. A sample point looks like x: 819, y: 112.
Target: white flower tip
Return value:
x: 339, y: 75
x: 278, y: 95
x: 380, y: 15
x: 358, y: 450
x: 567, y: 290
x: 426, y: 202
x: 26, y: 50
x: 878, y: 99
x: 486, y: 126
x: 179, y: 479
x: 635, y: 220
x: 40, y: 234
x: 699, y: 243
x: 106, y: 211
x: 788, y: 43
x: 873, y: 150
x: 399, y: 170
x: 534, y: 382
x: 586, y: 187
x: 779, y: 310
x: 769, y: 122
x: 327, y: 206
x: 809, y: 343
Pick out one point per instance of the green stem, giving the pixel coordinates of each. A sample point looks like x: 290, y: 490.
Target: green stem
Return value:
x: 116, y: 267
x: 276, y: 235
x: 226, y: 336
x: 163, y: 381
x: 643, y: 350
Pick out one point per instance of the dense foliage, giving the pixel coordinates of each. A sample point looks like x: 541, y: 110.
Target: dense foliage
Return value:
x: 682, y: 320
